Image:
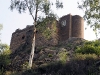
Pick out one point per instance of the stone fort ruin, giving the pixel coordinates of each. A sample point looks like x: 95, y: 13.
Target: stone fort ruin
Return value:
x: 67, y: 26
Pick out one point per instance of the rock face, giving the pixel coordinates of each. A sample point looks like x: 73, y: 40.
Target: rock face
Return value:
x: 46, y: 55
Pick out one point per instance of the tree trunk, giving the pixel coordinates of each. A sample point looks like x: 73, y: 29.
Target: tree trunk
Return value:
x: 33, y: 49
x: 33, y: 42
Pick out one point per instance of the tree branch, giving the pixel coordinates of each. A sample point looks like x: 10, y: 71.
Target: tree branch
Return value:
x: 29, y: 10
x: 36, y: 12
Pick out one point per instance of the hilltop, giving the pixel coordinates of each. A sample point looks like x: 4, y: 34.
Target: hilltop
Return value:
x: 56, y: 60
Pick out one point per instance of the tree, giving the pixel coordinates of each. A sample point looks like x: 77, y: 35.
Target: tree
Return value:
x: 91, y: 8
x: 1, y: 26
x: 4, y: 58
x: 34, y: 7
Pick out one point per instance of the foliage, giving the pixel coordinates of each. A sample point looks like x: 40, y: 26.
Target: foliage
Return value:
x: 1, y: 26
x: 50, y: 55
x: 36, y: 6
x: 95, y: 43
x: 63, y: 56
x: 47, y: 26
x: 4, y: 49
x: 91, y: 47
x: 25, y: 66
x: 92, y: 13
x: 4, y: 57
x: 73, y: 67
x: 85, y: 56
x: 51, y: 69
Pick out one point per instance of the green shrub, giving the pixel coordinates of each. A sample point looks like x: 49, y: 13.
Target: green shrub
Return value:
x: 4, y: 58
x: 53, y: 48
x: 50, y: 55
x: 95, y: 43
x: 69, y: 45
x: 25, y: 66
x: 63, y: 56
x: 91, y: 47
x: 86, y: 49
x: 45, y: 28
x: 85, y: 56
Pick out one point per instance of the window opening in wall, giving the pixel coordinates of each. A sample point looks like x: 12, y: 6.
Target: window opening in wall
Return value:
x: 63, y: 23
x: 23, y: 37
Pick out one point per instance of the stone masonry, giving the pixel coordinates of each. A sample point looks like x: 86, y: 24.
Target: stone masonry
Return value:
x: 25, y: 36
x: 70, y: 26
x: 21, y: 37
x: 67, y: 26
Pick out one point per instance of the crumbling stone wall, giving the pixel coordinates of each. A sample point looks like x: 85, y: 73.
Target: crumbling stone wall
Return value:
x: 24, y: 38
x: 68, y: 26
x: 21, y: 37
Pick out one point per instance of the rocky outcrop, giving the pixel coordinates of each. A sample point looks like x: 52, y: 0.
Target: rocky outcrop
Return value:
x: 45, y: 55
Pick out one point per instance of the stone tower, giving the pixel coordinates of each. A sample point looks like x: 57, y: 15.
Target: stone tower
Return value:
x: 64, y: 27
x: 77, y: 27
x: 70, y: 26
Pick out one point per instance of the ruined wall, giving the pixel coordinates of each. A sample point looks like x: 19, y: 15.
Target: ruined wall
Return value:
x: 42, y: 40
x: 23, y: 38
x: 68, y: 26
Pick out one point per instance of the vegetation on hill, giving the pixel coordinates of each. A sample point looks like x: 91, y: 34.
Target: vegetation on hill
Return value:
x: 75, y: 56
x: 91, y: 14
x: 4, y: 58
x: 35, y: 7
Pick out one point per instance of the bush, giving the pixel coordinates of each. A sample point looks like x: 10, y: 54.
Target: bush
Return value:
x: 95, y: 43
x: 85, y: 56
x: 63, y: 56
x: 91, y: 47
x: 4, y: 58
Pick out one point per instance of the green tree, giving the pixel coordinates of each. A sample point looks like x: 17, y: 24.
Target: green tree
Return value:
x: 4, y: 58
x: 34, y: 7
x: 1, y: 26
x: 91, y: 8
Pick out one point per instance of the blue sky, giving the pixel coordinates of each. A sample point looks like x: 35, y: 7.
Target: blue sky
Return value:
x: 13, y: 20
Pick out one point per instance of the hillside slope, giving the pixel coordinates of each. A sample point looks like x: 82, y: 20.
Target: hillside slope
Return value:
x: 55, y: 60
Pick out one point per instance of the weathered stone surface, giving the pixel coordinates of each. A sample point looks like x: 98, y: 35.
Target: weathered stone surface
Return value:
x: 24, y: 37
x: 64, y: 27
x: 77, y: 27
x: 49, y: 54
x: 69, y: 34
x: 70, y: 26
